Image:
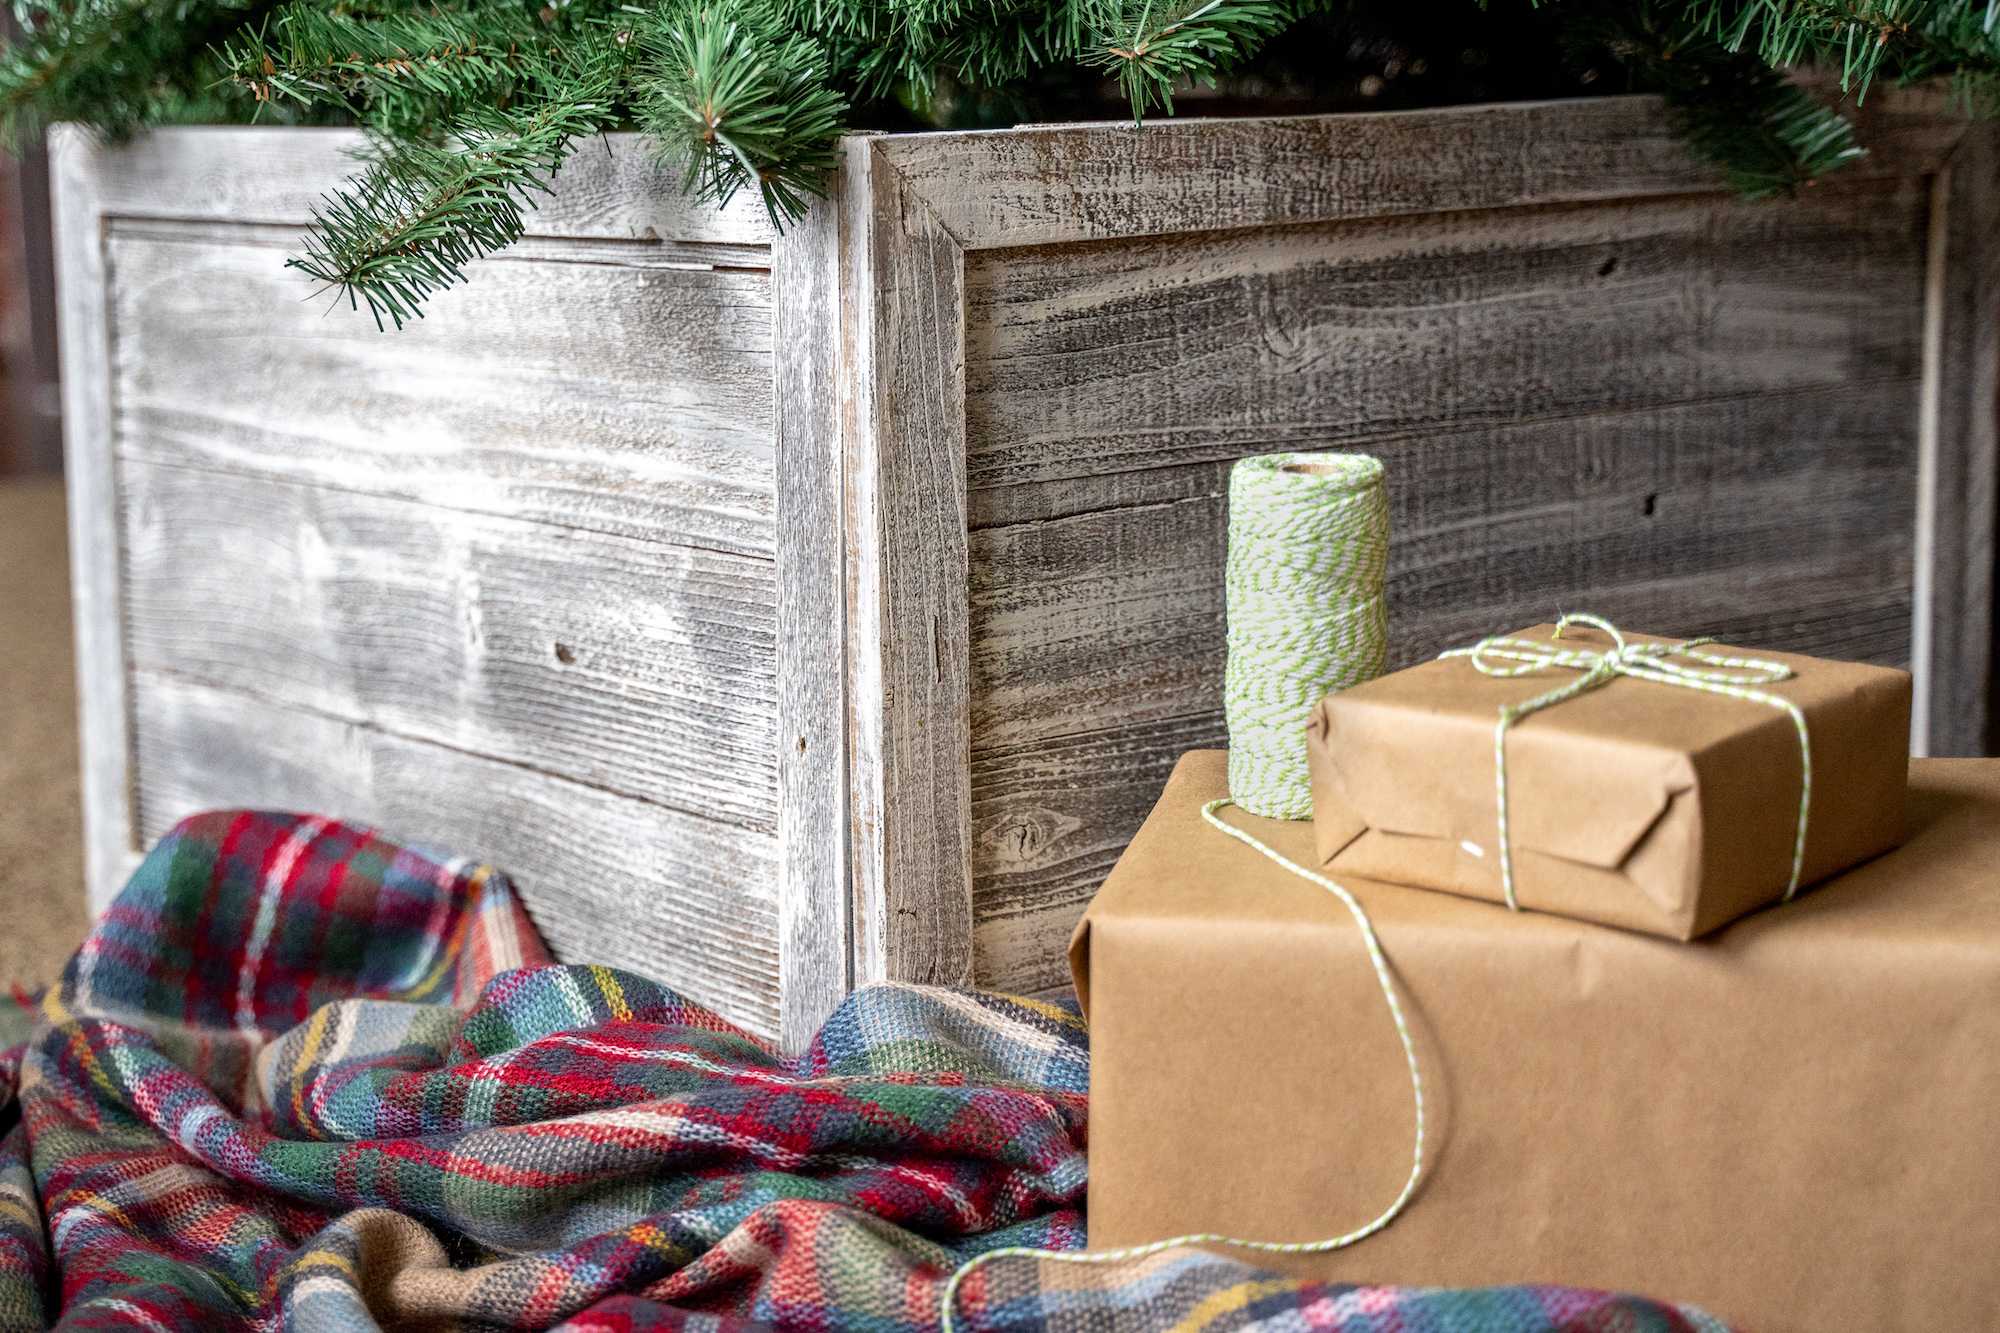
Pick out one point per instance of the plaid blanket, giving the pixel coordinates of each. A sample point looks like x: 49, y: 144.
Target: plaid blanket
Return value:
x: 299, y: 1076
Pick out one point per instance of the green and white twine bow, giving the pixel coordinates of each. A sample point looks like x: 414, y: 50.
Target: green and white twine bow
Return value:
x: 1308, y: 545
x: 1731, y: 677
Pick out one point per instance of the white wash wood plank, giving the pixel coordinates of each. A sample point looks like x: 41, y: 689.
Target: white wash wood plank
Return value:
x: 639, y: 667
x: 904, y: 369
x: 623, y: 252
x: 1049, y: 821
x: 1958, y: 703
x: 814, y: 950
x: 860, y: 508
x: 90, y: 477
x: 624, y: 399
x: 1114, y: 617
x: 1060, y: 184
x: 684, y: 900
x: 1119, y: 359
x: 613, y: 186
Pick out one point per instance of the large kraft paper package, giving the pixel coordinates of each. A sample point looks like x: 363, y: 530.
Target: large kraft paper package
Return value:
x: 1794, y: 1122
x: 1655, y: 807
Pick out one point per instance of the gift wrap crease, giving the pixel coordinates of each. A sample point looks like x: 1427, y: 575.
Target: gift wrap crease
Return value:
x: 1791, y: 1122
x: 1636, y: 804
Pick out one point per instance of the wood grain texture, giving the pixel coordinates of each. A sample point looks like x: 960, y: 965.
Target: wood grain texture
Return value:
x: 1053, y: 185
x: 503, y: 582
x: 1122, y: 360
x: 1050, y: 819
x: 905, y: 460
x: 615, y: 397
x: 1052, y: 816
x: 639, y: 667
x: 1735, y: 455
x: 110, y: 846
x: 1061, y: 763
x: 814, y: 925
x: 1958, y: 710
x: 614, y: 186
x: 685, y: 900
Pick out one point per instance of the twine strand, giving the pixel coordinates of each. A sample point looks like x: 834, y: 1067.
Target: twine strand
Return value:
x: 1308, y: 547
x: 1731, y: 677
x: 1386, y: 979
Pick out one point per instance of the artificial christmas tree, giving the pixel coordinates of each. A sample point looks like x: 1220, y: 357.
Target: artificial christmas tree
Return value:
x: 476, y: 103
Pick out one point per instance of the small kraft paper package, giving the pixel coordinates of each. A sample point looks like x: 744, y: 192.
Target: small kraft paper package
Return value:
x: 1790, y: 1122
x: 1667, y: 800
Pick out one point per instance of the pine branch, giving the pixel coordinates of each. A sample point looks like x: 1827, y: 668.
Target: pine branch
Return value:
x: 1150, y: 45
x: 1767, y: 134
x: 739, y: 101
x: 422, y: 211
x: 397, y: 72
x: 475, y: 103
x: 878, y: 44
x: 1860, y: 38
x: 1016, y: 41
x: 114, y: 64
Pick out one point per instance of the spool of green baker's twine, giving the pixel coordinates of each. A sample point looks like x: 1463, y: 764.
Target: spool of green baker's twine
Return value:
x: 1308, y: 545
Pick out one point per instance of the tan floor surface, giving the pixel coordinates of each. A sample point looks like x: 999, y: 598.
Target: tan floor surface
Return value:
x: 42, y: 914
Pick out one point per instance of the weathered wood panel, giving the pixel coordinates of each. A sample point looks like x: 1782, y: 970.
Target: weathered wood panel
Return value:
x: 1011, y: 371
x: 1055, y: 184
x: 635, y: 666
x: 90, y: 475
x: 1736, y: 454
x: 504, y: 581
x: 614, y: 187
x: 1050, y: 819
x: 815, y: 919
x: 1959, y: 640
x: 1096, y: 584
x: 902, y: 335
x: 1120, y: 360
x: 622, y: 397
x: 689, y: 901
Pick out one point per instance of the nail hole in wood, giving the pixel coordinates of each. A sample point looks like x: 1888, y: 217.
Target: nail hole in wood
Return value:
x: 1651, y: 505
x: 802, y: 745
x: 567, y: 655
x: 1608, y: 267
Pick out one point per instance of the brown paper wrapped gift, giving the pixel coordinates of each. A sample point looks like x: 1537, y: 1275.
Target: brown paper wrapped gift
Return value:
x: 1794, y: 1122
x: 1655, y: 807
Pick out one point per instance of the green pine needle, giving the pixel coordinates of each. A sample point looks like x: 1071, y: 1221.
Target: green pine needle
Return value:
x: 422, y: 211
x: 739, y: 102
x: 113, y: 64
x: 1151, y: 45
x: 474, y: 104
x: 1860, y: 38
x: 397, y: 72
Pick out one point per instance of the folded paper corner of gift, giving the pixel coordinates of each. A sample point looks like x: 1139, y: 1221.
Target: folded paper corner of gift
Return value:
x: 1593, y: 804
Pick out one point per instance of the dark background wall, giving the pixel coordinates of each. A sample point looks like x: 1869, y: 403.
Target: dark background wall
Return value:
x: 30, y: 404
